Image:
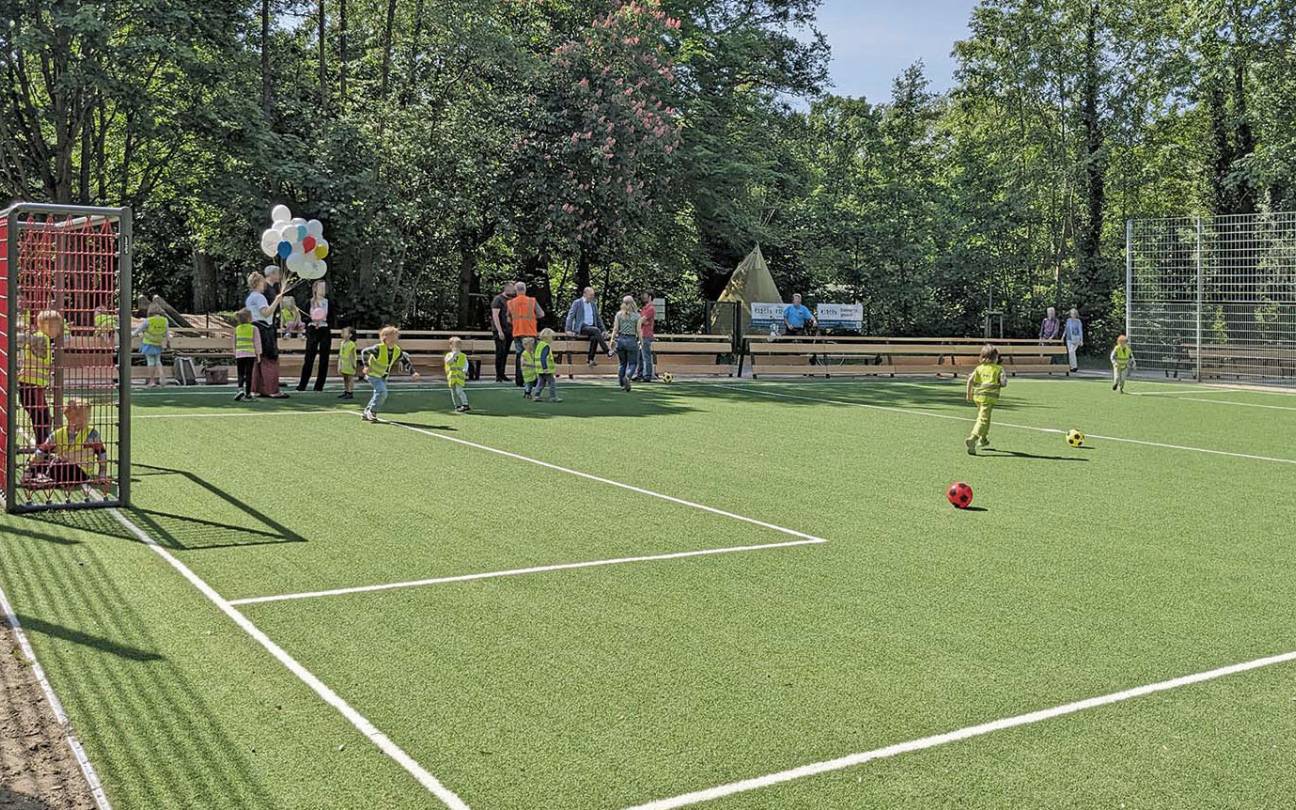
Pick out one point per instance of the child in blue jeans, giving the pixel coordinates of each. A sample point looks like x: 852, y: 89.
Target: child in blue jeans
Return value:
x: 378, y: 362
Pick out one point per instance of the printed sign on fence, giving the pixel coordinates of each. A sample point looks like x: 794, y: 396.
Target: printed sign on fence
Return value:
x: 763, y: 316
x: 659, y: 304
x: 840, y: 316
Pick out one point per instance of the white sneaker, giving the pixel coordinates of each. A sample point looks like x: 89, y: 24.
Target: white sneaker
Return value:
x: 368, y: 416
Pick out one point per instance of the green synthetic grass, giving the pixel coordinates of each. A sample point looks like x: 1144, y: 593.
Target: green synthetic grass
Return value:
x: 1087, y: 571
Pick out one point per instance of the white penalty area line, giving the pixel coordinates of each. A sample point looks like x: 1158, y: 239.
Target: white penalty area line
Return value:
x: 935, y: 740
x: 10, y: 618
x: 1056, y: 431
x: 361, y: 723
x: 516, y: 572
x: 1235, y: 402
x: 591, y: 477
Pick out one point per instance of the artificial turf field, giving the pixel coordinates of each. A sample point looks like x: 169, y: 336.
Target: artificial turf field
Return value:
x: 1136, y: 559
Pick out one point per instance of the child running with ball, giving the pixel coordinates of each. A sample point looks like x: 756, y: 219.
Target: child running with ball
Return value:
x: 983, y: 387
x: 378, y: 363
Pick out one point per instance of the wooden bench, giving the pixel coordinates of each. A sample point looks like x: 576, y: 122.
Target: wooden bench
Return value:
x: 693, y: 355
x: 869, y: 356
x: 1240, y: 360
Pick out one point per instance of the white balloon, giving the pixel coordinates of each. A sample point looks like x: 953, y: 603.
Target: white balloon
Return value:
x: 313, y: 270
x: 296, y: 263
x: 280, y: 213
x: 270, y: 242
x: 298, y: 221
x: 288, y: 233
x: 315, y: 228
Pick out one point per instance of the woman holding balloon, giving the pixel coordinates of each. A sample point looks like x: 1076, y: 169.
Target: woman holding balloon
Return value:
x: 265, y: 381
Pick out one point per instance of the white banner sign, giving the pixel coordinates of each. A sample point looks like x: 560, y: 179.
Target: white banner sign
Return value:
x: 763, y: 316
x: 659, y: 304
x: 840, y: 316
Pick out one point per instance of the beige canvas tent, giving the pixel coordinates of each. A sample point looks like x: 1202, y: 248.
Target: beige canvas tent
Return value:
x: 750, y: 283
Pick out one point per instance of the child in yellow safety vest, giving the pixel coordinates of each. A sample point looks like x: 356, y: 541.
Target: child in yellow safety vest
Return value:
x: 247, y: 351
x: 983, y: 387
x: 1123, y: 362
x: 73, y: 454
x: 291, y: 318
x: 105, y: 325
x: 529, y: 373
x: 378, y: 363
x: 347, y: 355
x: 35, y: 368
x: 546, y: 367
x: 456, y: 371
x: 154, y: 334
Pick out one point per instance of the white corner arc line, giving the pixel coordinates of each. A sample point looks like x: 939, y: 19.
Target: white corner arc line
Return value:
x: 361, y: 723
x: 610, y: 482
x: 930, y: 414
x: 517, y: 572
x: 10, y: 618
x: 968, y: 732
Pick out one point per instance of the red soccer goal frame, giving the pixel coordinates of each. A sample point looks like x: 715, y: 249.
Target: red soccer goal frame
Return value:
x: 75, y: 260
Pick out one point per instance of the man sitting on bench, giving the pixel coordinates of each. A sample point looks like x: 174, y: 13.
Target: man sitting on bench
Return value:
x: 584, y: 320
x: 797, y: 316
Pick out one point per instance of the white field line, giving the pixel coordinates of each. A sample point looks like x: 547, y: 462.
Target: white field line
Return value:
x: 330, y: 697
x: 1235, y: 402
x: 56, y: 706
x: 241, y: 414
x: 610, y: 482
x: 935, y: 740
x: 517, y: 572
x: 918, y: 412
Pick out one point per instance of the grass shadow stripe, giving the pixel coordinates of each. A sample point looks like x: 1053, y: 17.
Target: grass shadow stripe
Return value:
x: 599, y: 479
x: 359, y: 721
x: 517, y: 572
x: 923, y: 743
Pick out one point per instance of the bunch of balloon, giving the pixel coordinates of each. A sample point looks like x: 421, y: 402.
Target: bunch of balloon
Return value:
x: 299, y: 245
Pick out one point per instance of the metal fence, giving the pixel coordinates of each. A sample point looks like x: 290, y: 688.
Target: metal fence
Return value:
x: 1213, y: 297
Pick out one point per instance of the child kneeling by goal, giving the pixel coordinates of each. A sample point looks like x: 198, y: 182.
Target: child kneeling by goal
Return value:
x: 378, y: 362
x: 73, y: 454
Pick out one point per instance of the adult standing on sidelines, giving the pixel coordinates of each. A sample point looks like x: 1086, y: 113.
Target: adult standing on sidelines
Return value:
x: 628, y: 328
x: 1074, y: 332
x: 319, y: 337
x: 1050, y: 327
x: 647, y: 334
x: 502, y: 329
x: 584, y: 320
x: 265, y: 381
x: 525, y: 314
x: 796, y: 316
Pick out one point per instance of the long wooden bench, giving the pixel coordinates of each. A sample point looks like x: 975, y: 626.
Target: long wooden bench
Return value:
x: 694, y: 355
x: 891, y: 357
x: 1240, y: 360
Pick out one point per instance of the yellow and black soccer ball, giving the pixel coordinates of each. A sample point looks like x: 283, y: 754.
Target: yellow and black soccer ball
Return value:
x: 1075, y: 438
x: 667, y: 377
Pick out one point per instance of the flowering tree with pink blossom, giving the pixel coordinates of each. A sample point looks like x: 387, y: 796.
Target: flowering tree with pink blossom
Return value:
x: 605, y: 134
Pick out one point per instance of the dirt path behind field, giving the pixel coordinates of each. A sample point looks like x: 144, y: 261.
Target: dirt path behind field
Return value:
x: 37, y: 769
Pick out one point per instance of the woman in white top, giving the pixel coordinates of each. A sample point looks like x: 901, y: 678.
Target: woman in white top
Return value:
x: 319, y: 338
x: 265, y: 381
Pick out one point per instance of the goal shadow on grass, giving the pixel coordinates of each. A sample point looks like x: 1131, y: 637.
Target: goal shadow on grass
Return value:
x: 141, y: 710
x: 176, y: 531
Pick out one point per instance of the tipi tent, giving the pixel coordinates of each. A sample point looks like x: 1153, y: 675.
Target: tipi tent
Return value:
x: 750, y: 284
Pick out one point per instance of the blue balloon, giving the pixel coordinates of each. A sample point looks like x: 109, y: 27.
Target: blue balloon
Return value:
x: 285, y: 250
x: 302, y: 232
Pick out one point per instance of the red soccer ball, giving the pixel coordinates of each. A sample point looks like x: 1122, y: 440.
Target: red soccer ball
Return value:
x: 960, y: 494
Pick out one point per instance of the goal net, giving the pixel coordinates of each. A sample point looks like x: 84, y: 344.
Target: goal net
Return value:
x: 1213, y: 298
x: 64, y: 356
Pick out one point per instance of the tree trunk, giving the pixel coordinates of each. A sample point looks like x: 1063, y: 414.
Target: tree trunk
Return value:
x: 389, y: 31
x: 583, y: 272
x: 205, y: 294
x: 342, y: 50
x: 467, y: 280
x: 323, y: 62
x: 411, y: 77
x: 265, y: 59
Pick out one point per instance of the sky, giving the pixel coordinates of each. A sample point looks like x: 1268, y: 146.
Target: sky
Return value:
x: 873, y: 40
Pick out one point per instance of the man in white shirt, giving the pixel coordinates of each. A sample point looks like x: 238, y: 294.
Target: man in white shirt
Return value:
x: 584, y: 320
